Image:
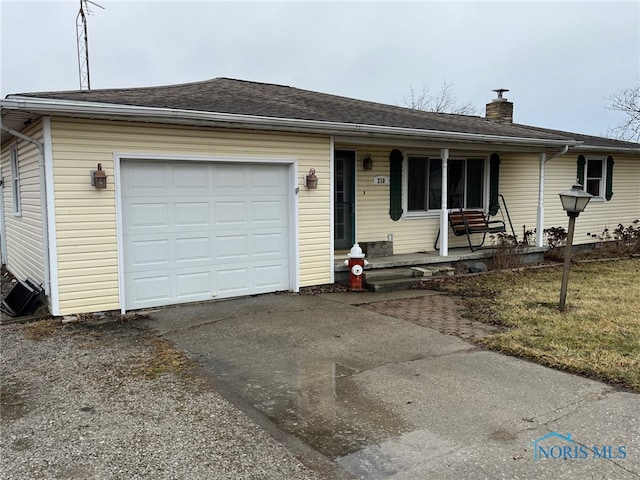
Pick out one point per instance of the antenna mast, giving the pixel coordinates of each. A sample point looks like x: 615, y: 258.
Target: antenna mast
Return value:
x: 83, y: 43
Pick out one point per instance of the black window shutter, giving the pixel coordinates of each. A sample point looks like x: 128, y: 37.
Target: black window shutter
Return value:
x: 580, y: 175
x: 494, y: 177
x: 609, y: 186
x: 395, y: 188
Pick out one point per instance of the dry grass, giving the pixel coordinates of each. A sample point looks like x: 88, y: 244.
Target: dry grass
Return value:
x: 597, y: 336
x: 163, y: 358
x: 42, y: 329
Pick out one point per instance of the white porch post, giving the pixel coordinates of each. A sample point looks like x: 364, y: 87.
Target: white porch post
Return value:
x: 444, y: 214
x: 540, y: 214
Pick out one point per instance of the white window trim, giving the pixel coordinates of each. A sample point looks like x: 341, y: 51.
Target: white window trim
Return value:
x: 603, y: 179
x: 15, y: 181
x: 421, y: 214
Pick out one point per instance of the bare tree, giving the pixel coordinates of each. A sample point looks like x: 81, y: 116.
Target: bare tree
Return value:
x: 443, y: 101
x: 628, y: 102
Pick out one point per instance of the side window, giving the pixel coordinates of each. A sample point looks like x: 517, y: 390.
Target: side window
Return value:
x: 15, y: 182
x: 596, y: 175
x: 594, y: 182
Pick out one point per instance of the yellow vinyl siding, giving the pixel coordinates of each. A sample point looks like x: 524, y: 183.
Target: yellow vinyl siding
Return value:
x: 519, y: 186
x: 85, y: 217
x: 25, y: 251
x: 624, y: 206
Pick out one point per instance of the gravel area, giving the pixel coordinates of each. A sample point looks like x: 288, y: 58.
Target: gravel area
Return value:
x: 102, y: 400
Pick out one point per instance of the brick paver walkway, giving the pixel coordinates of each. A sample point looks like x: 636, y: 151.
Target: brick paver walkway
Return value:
x: 439, y: 311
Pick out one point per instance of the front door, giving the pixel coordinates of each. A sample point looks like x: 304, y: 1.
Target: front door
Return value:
x: 344, y: 199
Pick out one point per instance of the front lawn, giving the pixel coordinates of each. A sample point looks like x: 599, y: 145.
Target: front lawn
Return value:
x: 597, y: 336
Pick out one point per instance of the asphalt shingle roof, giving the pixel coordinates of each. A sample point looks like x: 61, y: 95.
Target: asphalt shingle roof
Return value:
x: 225, y: 95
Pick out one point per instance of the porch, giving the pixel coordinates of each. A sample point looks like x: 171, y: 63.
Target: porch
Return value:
x: 458, y: 258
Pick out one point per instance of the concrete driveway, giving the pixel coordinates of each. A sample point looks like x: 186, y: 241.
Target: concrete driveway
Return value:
x: 387, y: 397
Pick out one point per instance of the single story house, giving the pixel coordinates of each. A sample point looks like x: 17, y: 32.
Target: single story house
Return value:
x: 211, y: 187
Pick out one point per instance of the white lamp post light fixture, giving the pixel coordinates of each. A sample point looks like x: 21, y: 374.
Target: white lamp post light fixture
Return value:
x: 574, y: 202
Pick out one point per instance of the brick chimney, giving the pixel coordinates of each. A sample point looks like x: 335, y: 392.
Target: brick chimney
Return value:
x: 499, y: 110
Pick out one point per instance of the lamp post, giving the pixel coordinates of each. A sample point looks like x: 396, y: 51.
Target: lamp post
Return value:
x: 574, y: 202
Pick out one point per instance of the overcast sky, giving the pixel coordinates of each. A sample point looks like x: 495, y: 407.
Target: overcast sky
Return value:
x: 560, y: 60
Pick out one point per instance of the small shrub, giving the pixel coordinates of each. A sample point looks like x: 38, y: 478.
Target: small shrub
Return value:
x: 528, y: 236
x: 557, y: 240
x: 622, y: 241
x: 507, y: 251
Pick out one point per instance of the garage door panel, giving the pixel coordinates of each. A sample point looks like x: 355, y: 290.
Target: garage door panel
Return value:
x: 145, y: 215
x: 269, y: 277
x: 142, y: 181
x: 148, y: 252
x: 231, y: 213
x: 196, y: 230
x: 269, y: 211
x: 268, y: 179
x: 233, y: 248
x: 233, y: 281
x: 230, y: 179
x: 192, y: 213
x: 193, y: 249
x: 191, y: 178
x: 196, y: 284
x: 149, y: 290
x: 270, y: 244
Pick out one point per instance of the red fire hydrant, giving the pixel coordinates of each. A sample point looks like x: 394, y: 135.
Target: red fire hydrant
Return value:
x: 356, y: 264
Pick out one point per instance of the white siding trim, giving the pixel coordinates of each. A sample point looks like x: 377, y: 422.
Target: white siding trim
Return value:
x: 51, y: 241
x: 294, y: 270
x: 332, y: 206
x: 199, y: 158
x: 119, y: 231
x: 354, y: 215
x: 3, y: 230
x: 294, y: 216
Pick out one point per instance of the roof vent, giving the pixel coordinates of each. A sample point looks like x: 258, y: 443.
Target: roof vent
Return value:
x: 500, y: 91
x: 499, y: 110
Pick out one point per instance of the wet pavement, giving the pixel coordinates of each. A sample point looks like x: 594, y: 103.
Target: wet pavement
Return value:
x: 371, y: 383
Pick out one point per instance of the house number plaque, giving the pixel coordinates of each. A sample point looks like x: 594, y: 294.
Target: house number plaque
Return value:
x: 381, y: 180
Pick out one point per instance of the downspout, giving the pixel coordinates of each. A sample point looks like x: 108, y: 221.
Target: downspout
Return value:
x: 43, y: 202
x: 444, y: 213
x: 543, y: 159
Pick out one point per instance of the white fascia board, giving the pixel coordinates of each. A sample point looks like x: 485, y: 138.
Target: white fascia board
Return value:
x: 176, y: 116
x: 594, y: 149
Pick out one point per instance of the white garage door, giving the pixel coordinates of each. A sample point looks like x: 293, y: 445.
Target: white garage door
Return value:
x: 195, y: 231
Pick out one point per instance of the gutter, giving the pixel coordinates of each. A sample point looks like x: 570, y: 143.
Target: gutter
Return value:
x: 43, y: 202
x: 543, y: 159
x: 162, y: 115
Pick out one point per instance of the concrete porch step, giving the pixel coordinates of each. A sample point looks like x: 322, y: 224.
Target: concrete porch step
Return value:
x: 392, y: 284
x: 390, y: 274
x: 392, y: 279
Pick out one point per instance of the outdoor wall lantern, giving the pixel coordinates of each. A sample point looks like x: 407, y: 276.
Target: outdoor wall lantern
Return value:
x: 99, y: 178
x: 367, y: 162
x: 574, y: 202
x: 311, y: 181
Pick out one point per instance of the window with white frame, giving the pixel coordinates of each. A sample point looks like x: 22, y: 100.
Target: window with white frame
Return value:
x: 15, y: 181
x: 465, y: 183
x: 595, y: 178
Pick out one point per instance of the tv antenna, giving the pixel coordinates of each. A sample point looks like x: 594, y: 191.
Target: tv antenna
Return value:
x: 83, y: 43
